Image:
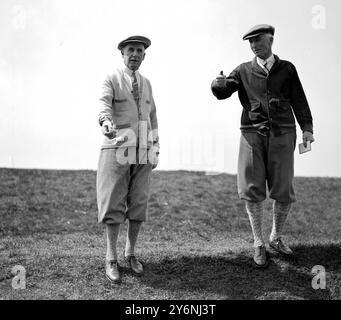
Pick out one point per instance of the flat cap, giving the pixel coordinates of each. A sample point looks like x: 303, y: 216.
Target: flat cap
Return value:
x: 259, y: 29
x: 135, y: 39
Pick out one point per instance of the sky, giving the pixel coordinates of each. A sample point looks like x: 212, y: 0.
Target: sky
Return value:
x: 54, y: 55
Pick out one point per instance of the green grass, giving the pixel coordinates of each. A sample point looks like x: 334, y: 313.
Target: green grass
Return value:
x: 197, y: 243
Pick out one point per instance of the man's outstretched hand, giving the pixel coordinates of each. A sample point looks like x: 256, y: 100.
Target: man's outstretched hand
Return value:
x: 107, y: 128
x: 220, y: 80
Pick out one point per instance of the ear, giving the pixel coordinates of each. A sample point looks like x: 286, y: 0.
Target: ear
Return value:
x: 143, y: 56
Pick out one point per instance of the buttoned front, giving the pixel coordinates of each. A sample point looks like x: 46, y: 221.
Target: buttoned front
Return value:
x: 270, y: 100
x: 135, y: 124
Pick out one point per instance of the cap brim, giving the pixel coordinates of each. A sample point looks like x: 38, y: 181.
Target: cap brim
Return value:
x: 124, y: 43
x: 254, y: 35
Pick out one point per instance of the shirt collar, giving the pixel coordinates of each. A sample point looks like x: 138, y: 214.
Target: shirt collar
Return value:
x: 270, y: 60
x: 129, y: 72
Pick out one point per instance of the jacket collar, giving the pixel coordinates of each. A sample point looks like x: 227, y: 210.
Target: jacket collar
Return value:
x: 270, y: 60
x: 125, y: 71
x: 257, y: 68
x: 130, y: 72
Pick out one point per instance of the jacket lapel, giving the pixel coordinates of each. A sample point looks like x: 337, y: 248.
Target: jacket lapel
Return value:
x: 129, y: 87
x: 256, y: 68
x: 125, y: 82
x: 276, y: 63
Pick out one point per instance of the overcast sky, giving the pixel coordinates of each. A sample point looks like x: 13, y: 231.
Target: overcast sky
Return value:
x: 54, y: 55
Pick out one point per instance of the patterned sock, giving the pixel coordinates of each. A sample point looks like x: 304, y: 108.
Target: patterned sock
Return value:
x: 255, y: 213
x: 280, y: 213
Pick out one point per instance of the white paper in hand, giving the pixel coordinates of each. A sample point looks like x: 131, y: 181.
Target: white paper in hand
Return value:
x: 303, y: 149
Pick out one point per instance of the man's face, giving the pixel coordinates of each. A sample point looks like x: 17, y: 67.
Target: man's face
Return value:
x: 133, y: 55
x: 261, y: 46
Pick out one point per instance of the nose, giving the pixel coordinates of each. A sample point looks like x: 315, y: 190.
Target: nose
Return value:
x: 135, y: 53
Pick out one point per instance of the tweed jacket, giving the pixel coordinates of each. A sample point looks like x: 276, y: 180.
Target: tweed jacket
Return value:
x: 135, y: 124
x: 269, y: 101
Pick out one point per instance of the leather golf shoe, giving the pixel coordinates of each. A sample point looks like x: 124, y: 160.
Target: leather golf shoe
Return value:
x: 280, y: 247
x: 260, y: 258
x: 112, y: 271
x: 133, y: 264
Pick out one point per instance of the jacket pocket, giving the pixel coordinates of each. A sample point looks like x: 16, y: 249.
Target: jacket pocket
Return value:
x: 121, y: 104
x: 280, y: 104
x: 120, y: 100
x: 122, y: 126
x: 284, y: 105
x: 281, y: 111
x: 255, y: 106
x: 256, y: 112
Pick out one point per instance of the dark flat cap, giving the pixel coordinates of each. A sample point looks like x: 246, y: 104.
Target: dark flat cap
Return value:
x: 259, y: 29
x: 135, y: 39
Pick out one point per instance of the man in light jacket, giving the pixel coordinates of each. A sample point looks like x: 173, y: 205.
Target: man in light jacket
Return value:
x: 272, y: 97
x: 128, y: 154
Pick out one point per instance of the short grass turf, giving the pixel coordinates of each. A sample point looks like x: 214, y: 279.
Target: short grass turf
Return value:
x: 196, y: 244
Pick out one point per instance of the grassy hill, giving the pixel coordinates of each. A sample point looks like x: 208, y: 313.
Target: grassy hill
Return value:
x: 197, y: 243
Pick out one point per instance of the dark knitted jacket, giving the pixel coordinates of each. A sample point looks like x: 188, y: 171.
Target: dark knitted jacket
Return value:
x: 269, y: 101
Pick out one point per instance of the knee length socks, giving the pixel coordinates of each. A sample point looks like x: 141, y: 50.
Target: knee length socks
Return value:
x: 255, y: 213
x: 280, y: 213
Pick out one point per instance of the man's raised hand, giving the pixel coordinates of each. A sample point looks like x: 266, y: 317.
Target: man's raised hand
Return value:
x: 220, y: 80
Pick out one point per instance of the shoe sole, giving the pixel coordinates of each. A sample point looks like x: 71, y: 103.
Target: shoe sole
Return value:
x: 113, y: 281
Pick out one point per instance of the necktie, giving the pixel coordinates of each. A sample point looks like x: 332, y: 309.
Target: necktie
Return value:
x: 137, y: 100
x: 135, y: 89
x: 265, y: 66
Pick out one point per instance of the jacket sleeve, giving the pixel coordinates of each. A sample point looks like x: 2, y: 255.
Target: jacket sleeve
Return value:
x: 232, y: 85
x: 105, y: 101
x: 299, y: 103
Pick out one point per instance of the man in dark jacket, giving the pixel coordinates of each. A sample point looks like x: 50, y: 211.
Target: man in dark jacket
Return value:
x: 272, y: 96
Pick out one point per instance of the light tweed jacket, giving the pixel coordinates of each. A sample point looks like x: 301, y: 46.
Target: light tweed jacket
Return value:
x: 133, y: 125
